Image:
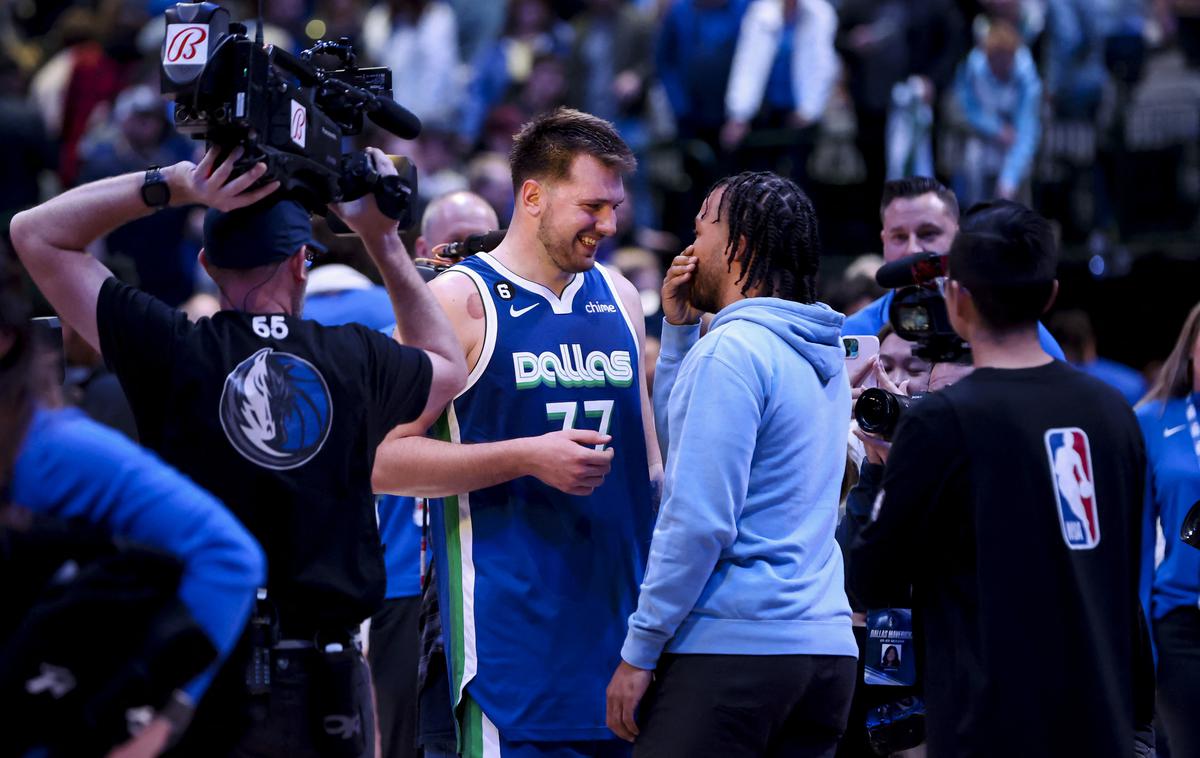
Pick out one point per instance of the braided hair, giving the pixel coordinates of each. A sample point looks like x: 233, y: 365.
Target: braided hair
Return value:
x: 779, y: 225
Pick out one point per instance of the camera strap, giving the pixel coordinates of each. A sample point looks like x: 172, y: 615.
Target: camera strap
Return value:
x: 1193, y: 426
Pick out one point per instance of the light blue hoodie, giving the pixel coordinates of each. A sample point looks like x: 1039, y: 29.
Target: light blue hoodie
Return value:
x: 743, y: 560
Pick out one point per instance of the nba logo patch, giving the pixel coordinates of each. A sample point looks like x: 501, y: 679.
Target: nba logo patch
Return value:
x: 1074, y: 487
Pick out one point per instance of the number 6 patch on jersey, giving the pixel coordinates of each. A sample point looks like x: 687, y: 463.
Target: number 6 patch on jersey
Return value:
x: 1071, y: 471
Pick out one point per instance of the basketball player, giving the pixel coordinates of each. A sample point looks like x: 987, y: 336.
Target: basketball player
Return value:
x: 547, y: 459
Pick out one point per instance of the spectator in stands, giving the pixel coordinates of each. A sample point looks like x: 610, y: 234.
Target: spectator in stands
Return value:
x: 1074, y: 59
x: 871, y: 42
x: 99, y: 61
x: 136, y: 137
x: 694, y: 54
x: 1000, y: 93
x: 1170, y: 569
x: 784, y: 69
x: 27, y: 148
x: 1073, y: 330
x: 418, y: 41
x: 530, y: 30
x: 608, y: 75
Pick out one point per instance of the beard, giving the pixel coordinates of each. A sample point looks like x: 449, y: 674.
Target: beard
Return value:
x: 703, y: 294
x: 561, y: 251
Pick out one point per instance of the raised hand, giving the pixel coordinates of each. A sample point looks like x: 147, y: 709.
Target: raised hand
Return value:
x: 363, y: 215
x: 677, y: 288
x: 206, y: 183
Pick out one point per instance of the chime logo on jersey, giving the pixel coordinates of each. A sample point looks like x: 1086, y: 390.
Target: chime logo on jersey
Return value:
x: 569, y: 368
x: 276, y: 409
x: 1074, y: 487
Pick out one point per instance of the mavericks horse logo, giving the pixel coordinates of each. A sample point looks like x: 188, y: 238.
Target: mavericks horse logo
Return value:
x: 276, y: 409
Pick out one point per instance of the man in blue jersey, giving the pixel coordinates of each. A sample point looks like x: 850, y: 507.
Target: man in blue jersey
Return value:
x: 743, y: 616
x: 546, y: 461
x: 919, y: 215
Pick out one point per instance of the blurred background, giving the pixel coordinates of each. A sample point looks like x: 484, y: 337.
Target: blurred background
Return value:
x: 1088, y: 110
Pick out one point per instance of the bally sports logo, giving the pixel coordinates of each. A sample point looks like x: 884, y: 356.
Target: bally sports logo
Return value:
x: 186, y: 44
x: 299, y: 127
x: 569, y: 368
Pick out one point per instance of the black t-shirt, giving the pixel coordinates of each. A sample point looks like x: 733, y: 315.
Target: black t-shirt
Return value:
x: 1011, y: 506
x: 278, y: 417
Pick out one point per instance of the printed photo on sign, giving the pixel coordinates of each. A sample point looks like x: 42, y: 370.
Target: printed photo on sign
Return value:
x: 1070, y: 455
x: 888, y: 651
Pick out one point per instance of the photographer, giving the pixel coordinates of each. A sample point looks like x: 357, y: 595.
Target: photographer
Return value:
x: 1010, y: 507
x: 277, y: 416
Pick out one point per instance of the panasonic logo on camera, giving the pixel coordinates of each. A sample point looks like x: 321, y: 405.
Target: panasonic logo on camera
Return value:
x: 594, y: 307
x: 569, y: 368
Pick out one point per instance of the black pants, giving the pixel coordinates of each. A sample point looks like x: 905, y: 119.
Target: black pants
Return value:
x: 1177, y: 636
x: 393, y: 653
x: 725, y: 706
x: 289, y: 728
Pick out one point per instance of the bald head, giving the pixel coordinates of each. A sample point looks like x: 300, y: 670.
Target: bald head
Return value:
x: 453, y: 218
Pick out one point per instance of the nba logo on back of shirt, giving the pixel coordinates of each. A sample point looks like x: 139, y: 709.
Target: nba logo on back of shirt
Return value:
x: 1074, y: 488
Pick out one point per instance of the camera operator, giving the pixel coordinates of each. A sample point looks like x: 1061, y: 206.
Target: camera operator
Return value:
x: 277, y: 416
x: 919, y: 215
x: 1010, y: 508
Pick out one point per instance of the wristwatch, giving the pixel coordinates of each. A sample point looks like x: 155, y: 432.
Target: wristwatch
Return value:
x: 155, y: 192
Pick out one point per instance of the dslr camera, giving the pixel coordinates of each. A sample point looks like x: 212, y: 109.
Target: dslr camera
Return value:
x: 284, y: 110
x: 918, y: 314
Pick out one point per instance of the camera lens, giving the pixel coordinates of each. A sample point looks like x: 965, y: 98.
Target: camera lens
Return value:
x: 878, y: 411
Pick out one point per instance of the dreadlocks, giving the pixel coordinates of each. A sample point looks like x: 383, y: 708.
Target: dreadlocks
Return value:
x: 777, y: 221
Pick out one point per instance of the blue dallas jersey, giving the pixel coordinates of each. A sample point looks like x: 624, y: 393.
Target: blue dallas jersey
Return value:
x: 538, y: 584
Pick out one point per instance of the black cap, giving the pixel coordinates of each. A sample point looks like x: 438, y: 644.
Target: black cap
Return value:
x: 263, y: 233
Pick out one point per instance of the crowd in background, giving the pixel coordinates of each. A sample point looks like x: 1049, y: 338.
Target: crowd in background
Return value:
x: 1089, y: 110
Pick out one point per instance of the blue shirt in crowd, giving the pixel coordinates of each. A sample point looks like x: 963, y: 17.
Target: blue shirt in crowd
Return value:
x: 1172, y: 487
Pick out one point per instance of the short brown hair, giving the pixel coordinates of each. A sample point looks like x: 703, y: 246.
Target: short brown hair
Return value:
x: 546, y: 146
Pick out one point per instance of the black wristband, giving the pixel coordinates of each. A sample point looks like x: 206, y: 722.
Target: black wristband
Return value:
x: 155, y: 191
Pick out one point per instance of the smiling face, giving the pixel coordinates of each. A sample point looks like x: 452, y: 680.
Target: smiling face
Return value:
x: 921, y: 224
x: 578, y: 212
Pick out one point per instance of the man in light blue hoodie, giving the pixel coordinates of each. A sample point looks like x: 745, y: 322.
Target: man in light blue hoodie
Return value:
x: 742, y: 620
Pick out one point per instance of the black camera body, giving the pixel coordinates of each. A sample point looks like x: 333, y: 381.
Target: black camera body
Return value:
x: 918, y: 310
x: 283, y: 110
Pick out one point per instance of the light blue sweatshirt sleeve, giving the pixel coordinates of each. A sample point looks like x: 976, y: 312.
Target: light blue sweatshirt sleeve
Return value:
x: 72, y: 467
x: 1028, y: 126
x: 675, y: 342
x: 712, y: 408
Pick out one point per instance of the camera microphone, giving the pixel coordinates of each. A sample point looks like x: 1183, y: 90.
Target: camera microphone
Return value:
x: 475, y: 243
x: 395, y: 118
x: 911, y: 269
